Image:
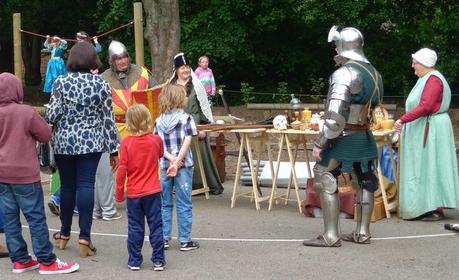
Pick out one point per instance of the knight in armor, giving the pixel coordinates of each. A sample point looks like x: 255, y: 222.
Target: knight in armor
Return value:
x: 124, y: 77
x: 345, y: 142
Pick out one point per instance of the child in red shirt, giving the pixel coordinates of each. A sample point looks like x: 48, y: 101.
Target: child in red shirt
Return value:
x: 138, y: 171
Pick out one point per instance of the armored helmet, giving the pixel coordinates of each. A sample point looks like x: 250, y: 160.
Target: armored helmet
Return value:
x: 349, y: 43
x: 116, y: 50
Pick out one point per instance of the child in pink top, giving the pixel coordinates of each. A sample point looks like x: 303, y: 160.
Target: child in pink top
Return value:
x: 205, y: 75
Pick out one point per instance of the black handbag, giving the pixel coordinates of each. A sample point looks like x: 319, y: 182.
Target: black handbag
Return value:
x: 46, y: 157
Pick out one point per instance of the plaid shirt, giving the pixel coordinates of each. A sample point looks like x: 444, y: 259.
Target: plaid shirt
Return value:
x: 173, y: 140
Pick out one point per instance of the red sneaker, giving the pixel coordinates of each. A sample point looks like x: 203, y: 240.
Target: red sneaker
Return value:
x: 23, y: 267
x: 58, y: 267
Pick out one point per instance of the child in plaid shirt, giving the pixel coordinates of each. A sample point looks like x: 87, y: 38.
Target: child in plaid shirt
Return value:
x: 175, y: 127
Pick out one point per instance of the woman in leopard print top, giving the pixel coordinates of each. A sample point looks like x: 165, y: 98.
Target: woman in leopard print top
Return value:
x: 81, y: 111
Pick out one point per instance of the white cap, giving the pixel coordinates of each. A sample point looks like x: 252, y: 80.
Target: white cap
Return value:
x: 426, y: 57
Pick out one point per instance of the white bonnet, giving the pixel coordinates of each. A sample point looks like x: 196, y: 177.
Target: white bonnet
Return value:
x: 426, y: 57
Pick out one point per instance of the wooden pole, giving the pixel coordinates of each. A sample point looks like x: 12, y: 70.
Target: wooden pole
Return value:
x: 138, y: 34
x: 17, y: 45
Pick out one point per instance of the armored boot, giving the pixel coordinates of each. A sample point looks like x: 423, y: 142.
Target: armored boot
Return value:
x: 325, y: 184
x: 364, y: 209
x: 330, y: 211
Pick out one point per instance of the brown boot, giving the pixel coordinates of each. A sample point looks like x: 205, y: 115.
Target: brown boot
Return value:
x: 4, y: 252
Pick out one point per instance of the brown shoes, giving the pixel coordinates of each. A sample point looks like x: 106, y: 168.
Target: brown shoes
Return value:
x: 60, y: 240
x: 4, y: 252
x: 86, y: 248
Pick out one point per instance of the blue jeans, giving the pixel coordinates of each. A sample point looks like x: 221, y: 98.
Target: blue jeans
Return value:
x: 1, y: 219
x: 27, y: 198
x: 78, y: 174
x: 183, y: 184
x: 137, y: 210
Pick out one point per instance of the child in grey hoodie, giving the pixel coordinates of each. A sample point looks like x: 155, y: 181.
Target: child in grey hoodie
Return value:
x: 175, y: 127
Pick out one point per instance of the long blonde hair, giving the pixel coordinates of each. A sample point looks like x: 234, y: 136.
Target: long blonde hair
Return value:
x: 172, y: 97
x: 138, y: 119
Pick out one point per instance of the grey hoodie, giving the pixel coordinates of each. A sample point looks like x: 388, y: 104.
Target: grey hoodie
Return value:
x: 167, y: 122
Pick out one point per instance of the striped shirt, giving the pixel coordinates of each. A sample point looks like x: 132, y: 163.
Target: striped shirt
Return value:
x: 206, y: 76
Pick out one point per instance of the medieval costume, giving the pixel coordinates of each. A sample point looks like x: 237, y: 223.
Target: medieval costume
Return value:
x: 199, y: 108
x: 123, y: 84
x: 428, y: 165
x: 56, y: 65
x: 345, y: 143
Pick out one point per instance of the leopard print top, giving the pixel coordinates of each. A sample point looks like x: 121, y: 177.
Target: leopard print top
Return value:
x: 81, y: 111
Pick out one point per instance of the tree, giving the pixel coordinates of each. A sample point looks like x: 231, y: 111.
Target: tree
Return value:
x: 162, y: 32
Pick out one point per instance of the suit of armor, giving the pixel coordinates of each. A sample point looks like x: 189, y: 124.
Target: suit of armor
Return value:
x: 345, y: 143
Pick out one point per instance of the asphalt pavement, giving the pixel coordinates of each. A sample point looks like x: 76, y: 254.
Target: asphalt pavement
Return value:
x: 243, y: 243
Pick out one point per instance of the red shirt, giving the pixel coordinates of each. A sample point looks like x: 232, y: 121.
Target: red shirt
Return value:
x: 139, y: 166
x: 430, y: 103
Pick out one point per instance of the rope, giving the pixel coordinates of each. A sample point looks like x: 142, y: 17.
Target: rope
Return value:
x: 114, y: 29
x: 74, y: 40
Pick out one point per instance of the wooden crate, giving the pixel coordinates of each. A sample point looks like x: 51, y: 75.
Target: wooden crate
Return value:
x: 378, y: 211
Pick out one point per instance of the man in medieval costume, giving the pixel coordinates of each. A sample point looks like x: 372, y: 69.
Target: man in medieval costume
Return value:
x: 125, y: 78
x: 345, y: 142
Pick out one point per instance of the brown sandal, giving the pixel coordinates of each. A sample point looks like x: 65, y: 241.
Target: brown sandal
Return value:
x: 86, y: 248
x: 60, y: 240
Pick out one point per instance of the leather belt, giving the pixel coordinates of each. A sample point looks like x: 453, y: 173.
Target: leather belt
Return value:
x: 357, y: 127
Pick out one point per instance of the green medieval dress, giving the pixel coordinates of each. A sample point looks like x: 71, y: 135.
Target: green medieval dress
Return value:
x: 428, y: 174
x: 213, y: 180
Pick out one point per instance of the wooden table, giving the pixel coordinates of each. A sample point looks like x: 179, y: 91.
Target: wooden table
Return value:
x: 205, y: 188
x: 253, y: 140
x: 292, y: 139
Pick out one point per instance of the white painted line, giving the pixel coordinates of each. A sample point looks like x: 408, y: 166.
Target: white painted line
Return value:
x: 271, y: 240
x: 415, y: 236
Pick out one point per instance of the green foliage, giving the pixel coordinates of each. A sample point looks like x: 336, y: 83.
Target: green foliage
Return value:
x: 282, y: 93
x: 318, y: 86
x: 113, y: 13
x: 268, y: 42
x: 247, y: 93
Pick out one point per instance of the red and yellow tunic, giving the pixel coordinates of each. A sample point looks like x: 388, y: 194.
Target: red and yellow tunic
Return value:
x: 139, y: 92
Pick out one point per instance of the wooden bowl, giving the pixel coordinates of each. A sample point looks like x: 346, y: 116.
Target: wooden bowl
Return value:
x: 296, y: 125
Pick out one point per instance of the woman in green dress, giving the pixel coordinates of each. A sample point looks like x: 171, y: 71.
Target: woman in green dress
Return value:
x: 428, y: 165
x: 199, y: 108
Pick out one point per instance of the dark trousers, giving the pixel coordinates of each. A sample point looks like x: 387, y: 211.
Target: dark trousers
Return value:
x: 138, y: 209
x: 78, y: 175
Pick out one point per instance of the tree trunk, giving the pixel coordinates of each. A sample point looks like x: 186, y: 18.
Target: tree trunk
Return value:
x: 162, y: 32
x: 31, y: 54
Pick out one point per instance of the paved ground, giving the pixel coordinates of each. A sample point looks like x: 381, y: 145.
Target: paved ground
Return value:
x: 243, y: 243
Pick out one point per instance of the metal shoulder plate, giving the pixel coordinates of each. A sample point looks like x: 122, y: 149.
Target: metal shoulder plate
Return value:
x: 343, y: 81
